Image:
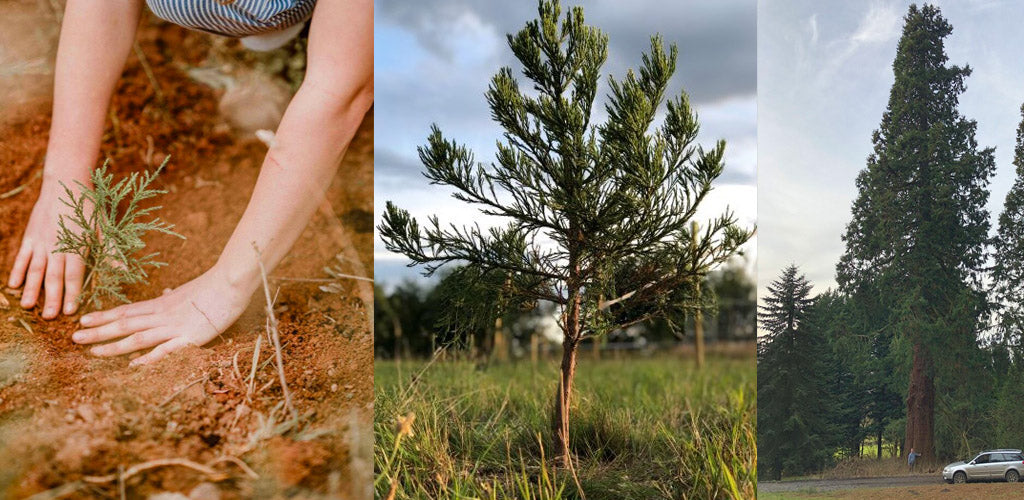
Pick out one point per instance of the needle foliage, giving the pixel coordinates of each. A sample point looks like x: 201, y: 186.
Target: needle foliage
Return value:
x: 598, y: 213
x: 106, y: 229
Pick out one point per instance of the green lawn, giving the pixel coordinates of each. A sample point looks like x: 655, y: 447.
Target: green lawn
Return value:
x: 644, y: 428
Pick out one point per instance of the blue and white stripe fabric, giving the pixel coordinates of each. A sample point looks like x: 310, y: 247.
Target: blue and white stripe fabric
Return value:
x: 234, y: 18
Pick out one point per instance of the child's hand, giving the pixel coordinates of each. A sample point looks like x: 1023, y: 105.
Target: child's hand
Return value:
x: 36, y: 266
x: 192, y: 314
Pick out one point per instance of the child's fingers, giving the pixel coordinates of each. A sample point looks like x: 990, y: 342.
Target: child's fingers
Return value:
x: 53, y: 285
x: 160, y: 351
x: 126, y: 311
x: 34, y: 279
x: 20, y: 266
x: 136, y: 342
x: 74, y: 274
x: 115, y: 329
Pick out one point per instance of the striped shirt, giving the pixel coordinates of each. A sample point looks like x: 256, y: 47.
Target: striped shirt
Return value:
x: 234, y: 18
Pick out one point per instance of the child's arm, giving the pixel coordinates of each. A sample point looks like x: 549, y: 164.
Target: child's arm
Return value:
x: 95, y: 39
x: 311, y: 140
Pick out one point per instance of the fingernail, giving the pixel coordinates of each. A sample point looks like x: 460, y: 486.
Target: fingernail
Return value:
x: 96, y: 351
x: 86, y: 320
x: 77, y: 336
x: 69, y: 308
x: 50, y: 311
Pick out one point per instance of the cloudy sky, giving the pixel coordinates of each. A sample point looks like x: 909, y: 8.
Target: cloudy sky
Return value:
x: 824, y: 74
x: 435, y: 59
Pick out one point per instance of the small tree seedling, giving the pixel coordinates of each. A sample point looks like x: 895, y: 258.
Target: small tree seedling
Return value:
x: 106, y: 229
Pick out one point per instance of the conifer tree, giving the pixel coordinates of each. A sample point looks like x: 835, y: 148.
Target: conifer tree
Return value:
x: 1008, y: 269
x: 919, y: 229
x: 598, y: 213
x: 792, y: 417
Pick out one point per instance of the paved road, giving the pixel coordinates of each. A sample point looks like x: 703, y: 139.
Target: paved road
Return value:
x: 847, y: 484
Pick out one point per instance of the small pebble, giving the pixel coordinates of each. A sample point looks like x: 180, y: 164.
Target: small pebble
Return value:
x: 205, y: 491
x: 167, y: 495
x: 86, y: 412
x: 334, y: 387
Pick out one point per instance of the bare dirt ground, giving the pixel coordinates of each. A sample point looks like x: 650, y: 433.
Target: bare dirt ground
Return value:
x: 887, y: 488
x: 67, y: 418
x: 846, y: 484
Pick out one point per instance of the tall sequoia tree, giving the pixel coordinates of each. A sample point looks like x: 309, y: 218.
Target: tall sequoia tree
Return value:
x: 598, y: 214
x: 919, y: 225
x: 1008, y: 270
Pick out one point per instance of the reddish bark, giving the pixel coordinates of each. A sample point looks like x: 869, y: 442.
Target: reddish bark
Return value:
x: 560, y: 423
x: 570, y: 343
x: 921, y: 406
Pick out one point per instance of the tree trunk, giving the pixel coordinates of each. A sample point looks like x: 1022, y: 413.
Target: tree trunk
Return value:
x: 921, y: 406
x: 500, y: 348
x: 570, y: 344
x: 698, y: 316
x: 560, y: 423
x: 698, y: 330
x: 879, y: 455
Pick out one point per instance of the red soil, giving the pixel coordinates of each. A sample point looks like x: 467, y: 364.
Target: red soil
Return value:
x: 65, y: 414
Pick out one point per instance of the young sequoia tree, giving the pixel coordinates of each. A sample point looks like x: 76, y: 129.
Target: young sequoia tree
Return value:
x: 1008, y: 271
x: 598, y: 215
x: 919, y: 225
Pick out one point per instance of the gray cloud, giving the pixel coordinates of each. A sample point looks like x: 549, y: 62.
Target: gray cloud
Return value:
x: 716, y: 39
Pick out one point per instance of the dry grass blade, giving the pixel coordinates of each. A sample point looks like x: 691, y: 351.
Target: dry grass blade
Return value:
x: 15, y: 191
x: 152, y: 464
x: 275, y: 335
x: 58, y: 492
x: 241, y: 465
x: 183, y: 389
x: 255, y: 363
x: 25, y: 325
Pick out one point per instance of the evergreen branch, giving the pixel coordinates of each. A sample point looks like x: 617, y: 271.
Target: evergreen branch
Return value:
x: 108, y: 237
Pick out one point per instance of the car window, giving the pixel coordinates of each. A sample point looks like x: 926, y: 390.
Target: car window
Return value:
x: 982, y: 459
x: 999, y: 457
x: 1016, y: 457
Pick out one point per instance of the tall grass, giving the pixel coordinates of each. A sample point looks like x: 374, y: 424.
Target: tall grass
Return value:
x: 642, y: 428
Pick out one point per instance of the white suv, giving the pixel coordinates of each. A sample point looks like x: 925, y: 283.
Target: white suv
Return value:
x: 992, y: 464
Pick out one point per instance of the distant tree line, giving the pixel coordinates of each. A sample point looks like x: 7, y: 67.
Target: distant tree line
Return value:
x: 920, y: 345
x: 415, y: 318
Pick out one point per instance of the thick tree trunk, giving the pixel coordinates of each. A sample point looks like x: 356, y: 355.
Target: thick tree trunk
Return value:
x: 921, y: 406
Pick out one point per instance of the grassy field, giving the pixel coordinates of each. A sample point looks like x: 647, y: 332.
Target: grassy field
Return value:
x: 643, y: 428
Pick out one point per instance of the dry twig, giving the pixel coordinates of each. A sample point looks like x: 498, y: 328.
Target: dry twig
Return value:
x: 152, y: 464
x: 183, y: 389
x: 275, y: 335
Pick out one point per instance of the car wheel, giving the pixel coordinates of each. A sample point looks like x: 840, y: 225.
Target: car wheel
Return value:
x: 1012, y: 476
x: 959, y: 477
